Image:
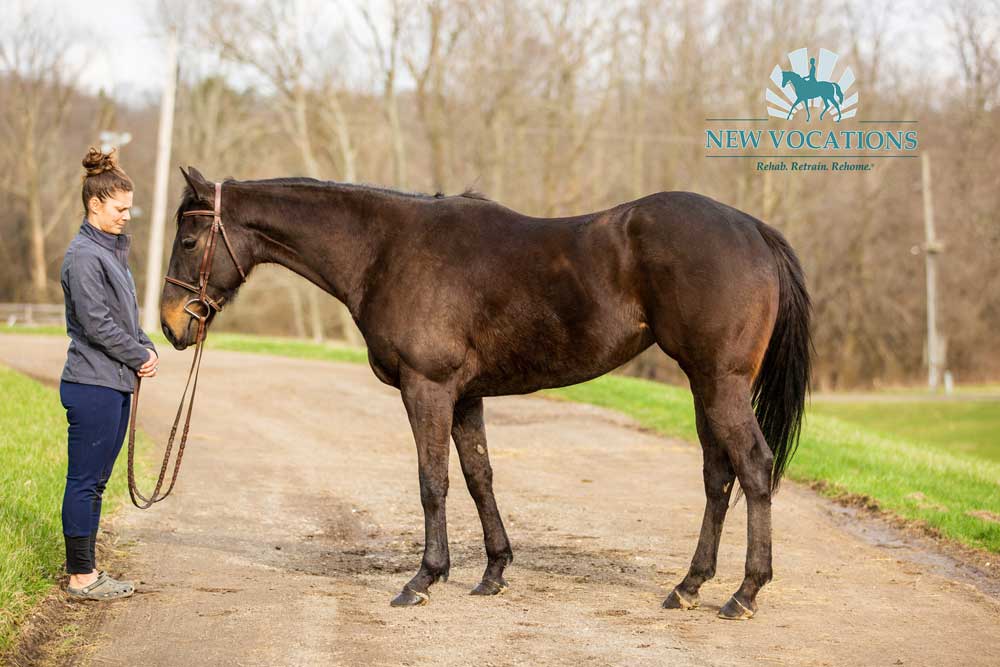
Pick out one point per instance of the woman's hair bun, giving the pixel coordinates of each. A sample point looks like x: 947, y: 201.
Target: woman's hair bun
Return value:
x: 97, y: 162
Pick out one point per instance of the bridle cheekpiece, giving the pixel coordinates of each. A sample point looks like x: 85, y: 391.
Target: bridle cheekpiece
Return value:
x: 206, y: 303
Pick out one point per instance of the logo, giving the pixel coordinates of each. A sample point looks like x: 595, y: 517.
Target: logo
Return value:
x: 814, y: 85
x: 811, y: 82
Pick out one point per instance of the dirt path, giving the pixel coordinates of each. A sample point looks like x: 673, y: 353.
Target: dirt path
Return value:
x: 297, y: 518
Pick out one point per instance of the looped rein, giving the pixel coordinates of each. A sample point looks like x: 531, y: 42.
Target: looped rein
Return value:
x: 205, y: 305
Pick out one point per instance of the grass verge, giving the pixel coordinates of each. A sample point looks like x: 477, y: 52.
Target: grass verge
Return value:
x: 32, y: 479
x: 952, y: 426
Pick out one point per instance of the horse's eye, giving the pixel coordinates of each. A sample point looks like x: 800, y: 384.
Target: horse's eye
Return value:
x: 189, y: 243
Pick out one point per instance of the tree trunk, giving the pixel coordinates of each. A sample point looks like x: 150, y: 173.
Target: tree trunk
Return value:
x: 399, y: 166
x: 36, y: 222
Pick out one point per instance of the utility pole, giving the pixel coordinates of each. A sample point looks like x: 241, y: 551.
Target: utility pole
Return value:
x: 931, y: 249
x: 154, y: 264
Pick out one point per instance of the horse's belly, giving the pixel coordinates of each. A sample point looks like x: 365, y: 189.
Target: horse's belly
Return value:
x: 540, y: 362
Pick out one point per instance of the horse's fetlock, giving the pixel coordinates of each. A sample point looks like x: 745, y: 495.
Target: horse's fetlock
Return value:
x: 506, y: 556
x: 437, y: 569
x: 499, y: 557
x: 760, y: 577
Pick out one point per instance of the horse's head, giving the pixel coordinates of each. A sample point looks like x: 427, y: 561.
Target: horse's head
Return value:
x: 180, y: 307
x: 789, y: 77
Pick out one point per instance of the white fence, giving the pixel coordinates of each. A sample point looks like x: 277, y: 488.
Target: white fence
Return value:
x: 32, y: 314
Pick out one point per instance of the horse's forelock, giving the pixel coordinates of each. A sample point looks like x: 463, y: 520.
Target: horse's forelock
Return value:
x: 189, y: 200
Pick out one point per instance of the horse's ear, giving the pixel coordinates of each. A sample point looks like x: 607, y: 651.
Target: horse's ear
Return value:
x: 187, y: 179
x: 195, y: 180
x: 196, y: 175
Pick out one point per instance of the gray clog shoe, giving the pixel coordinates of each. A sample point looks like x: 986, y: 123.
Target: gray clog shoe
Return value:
x: 103, y: 588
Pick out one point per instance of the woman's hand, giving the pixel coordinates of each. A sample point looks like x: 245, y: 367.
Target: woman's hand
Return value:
x: 148, y: 369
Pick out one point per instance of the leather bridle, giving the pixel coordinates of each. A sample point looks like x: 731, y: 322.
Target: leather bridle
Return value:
x: 203, y: 299
x: 205, y: 305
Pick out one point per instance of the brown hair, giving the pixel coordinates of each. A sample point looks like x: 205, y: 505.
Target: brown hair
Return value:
x: 104, y: 177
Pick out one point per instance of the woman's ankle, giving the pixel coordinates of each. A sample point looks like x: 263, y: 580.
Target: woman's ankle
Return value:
x: 80, y: 580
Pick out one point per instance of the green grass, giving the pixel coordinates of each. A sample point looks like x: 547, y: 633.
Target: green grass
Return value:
x: 285, y: 347
x: 32, y: 479
x: 909, y: 478
x: 929, y: 461
x: 663, y: 408
x: 234, y: 342
x: 33, y: 331
x: 953, y: 426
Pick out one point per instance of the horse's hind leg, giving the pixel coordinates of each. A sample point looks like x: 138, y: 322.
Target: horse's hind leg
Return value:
x: 718, y: 474
x: 469, y: 433
x: 730, y: 417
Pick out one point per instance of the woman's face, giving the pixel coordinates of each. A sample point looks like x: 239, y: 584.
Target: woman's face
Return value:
x: 112, y: 214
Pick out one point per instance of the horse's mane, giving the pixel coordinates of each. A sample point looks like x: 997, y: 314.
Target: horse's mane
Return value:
x: 468, y: 193
x: 188, y: 199
x: 191, y: 198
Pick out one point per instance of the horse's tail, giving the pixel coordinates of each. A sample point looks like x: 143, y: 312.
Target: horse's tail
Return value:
x: 840, y: 94
x: 781, y: 385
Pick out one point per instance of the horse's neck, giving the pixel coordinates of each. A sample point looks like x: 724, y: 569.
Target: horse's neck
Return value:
x: 329, y: 236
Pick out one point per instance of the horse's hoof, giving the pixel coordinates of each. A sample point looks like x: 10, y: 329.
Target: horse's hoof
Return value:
x: 410, y: 598
x: 676, y: 600
x: 734, y: 610
x: 487, y: 587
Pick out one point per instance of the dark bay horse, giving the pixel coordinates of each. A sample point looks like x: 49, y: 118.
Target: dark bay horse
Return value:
x: 460, y: 298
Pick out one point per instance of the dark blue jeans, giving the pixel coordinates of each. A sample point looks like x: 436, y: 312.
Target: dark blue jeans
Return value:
x: 98, y: 418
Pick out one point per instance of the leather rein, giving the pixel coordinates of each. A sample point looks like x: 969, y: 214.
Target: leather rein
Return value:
x: 204, y: 305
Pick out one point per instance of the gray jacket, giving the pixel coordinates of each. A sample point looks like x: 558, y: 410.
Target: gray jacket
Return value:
x: 102, y: 311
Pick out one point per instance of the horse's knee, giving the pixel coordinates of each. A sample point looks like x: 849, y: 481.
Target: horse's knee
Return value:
x: 433, y: 492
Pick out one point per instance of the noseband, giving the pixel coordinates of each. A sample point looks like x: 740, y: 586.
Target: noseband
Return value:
x: 207, y: 304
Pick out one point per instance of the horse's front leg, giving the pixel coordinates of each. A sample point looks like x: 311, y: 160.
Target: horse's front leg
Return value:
x: 792, y: 110
x: 430, y: 406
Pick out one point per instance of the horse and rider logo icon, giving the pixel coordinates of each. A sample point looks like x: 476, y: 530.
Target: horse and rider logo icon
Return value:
x: 808, y: 84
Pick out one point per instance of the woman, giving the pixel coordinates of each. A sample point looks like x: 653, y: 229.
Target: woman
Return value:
x: 107, y: 350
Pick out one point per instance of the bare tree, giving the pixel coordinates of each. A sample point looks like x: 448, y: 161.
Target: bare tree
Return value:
x: 436, y: 32
x: 387, y: 52
x: 274, y: 42
x: 32, y: 119
x: 578, y: 37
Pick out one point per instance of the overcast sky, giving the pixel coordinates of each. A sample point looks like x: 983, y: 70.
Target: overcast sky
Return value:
x: 131, y: 60
x: 114, y: 47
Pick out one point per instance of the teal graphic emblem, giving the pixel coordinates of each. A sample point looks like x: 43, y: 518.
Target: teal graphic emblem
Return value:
x: 810, y: 82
